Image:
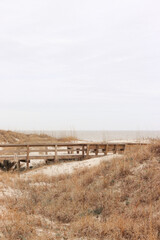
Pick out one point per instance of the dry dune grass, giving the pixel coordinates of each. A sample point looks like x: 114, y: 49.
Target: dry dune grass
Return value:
x: 16, y: 137
x: 119, y: 199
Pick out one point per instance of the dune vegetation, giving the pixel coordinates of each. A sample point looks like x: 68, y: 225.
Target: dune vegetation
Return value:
x: 119, y: 199
x: 18, y: 137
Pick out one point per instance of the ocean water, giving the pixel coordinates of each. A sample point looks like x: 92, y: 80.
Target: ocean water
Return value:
x: 100, y: 136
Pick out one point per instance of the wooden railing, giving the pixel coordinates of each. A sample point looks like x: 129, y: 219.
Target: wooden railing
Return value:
x: 18, y: 153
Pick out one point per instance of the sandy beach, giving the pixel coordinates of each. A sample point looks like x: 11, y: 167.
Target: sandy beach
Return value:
x: 68, y: 167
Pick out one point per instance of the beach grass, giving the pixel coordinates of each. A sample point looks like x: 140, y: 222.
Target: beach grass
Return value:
x: 118, y: 199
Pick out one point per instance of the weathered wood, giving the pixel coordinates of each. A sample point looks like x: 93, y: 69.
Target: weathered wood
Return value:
x: 18, y: 165
x: 27, y: 164
x: 14, y: 153
x: 83, y: 151
x: 68, y: 144
x: 115, y: 149
x: 97, y: 150
x: 56, y: 154
x: 88, y: 150
x: 106, y: 150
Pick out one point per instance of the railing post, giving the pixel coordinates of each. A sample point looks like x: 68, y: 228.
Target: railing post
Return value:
x: 46, y: 153
x: 27, y: 156
x: 46, y: 150
x: 72, y: 150
x: 115, y: 148
x: 18, y: 165
x: 18, y: 161
x: 56, y: 154
x: 106, y: 150
x: 83, y: 151
x: 97, y: 150
x: 88, y: 148
x: 125, y: 147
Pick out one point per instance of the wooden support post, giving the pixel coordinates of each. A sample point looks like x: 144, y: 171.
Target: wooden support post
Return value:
x: 18, y: 165
x: 27, y: 156
x: 6, y: 164
x: 16, y: 160
x: 106, y: 150
x: 125, y: 147
x: 68, y: 150
x: 83, y: 151
x: 56, y: 154
x: 72, y: 150
x: 115, y: 149
x: 97, y: 150
x: 88, y: 149
x: 46, y: 153
x: 46, y: 148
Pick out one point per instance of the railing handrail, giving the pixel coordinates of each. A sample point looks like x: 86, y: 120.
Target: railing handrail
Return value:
x: 68, y: 144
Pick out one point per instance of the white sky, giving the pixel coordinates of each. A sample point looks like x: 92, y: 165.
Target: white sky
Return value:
x: 82, y: 64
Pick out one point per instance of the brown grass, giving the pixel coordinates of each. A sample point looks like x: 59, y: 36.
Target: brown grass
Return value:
x: 117, y: 200
x: 16, y: 137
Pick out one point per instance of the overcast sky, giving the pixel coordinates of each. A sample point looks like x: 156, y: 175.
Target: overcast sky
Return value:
x: 82, y: 64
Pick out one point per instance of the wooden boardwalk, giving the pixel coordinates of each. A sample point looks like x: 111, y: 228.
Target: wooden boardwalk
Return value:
x: 18, y: 153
